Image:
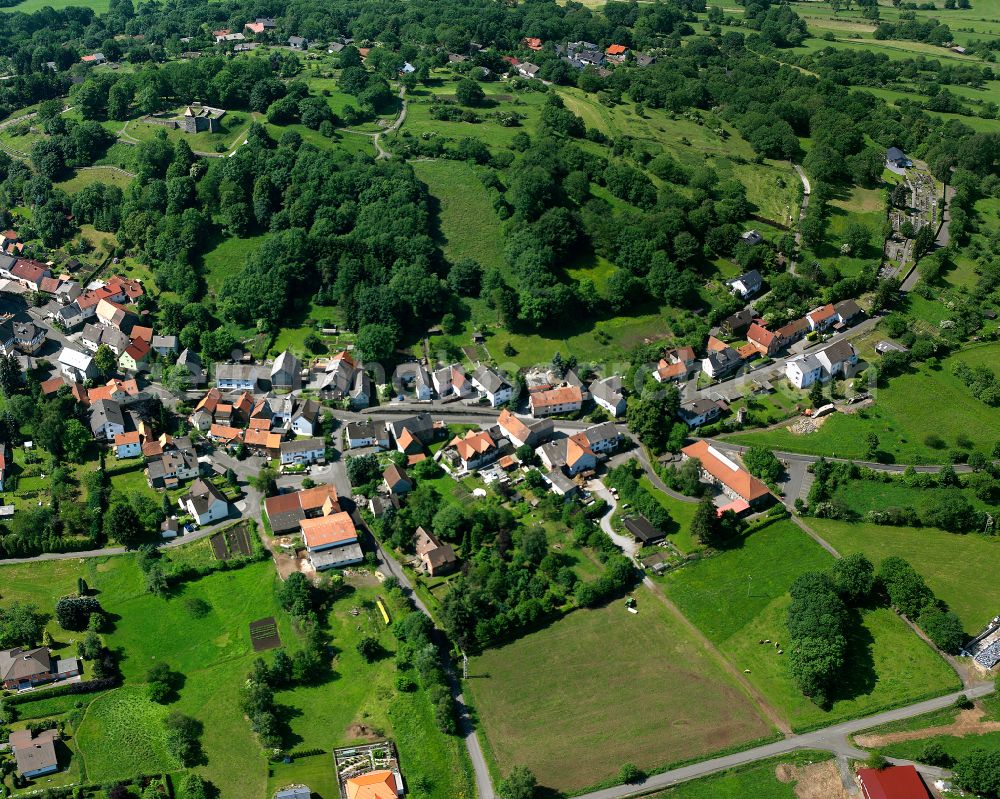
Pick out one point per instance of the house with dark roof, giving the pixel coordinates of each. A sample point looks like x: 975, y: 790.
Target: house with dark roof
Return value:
x: 412, y: 376
x: 608, y: 394
x: 747, y: 284
x: 642, y: 530
x: 396, y: 480
x: 493, y: 386
x: 698, y: 412
x: 719, y: 363
x: 738, y: 323
x: 24, y: 668
x: 205, y: 502
x: 106, y: 419
x: 366, y: 434
x: 571, y: 455
x: 285, y: 371
x: 435, y: 557
x: 35, y: 752
x: 894, y: 157
x: 302, y: 450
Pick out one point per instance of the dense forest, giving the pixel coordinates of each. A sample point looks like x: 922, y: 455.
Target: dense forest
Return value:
x: 352, y: 232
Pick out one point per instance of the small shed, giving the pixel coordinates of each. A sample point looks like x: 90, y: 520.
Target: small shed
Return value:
x: 642, y: 530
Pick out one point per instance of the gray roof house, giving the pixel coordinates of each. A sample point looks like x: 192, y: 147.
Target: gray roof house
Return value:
x: 413, y: 375
x: 205, y: 502
x: 496, y: 388
x: 192, y: 362
x: 240, y: 376
x: 76, y: 365
x: 306, y: 418
x: 608, y: 394
x: 361, y: 391
x: 164, y: 344
x: 285, y: 371
x: 106, y: 419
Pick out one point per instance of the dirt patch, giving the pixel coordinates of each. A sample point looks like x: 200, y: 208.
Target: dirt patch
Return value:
x: 362, y: 731
x: 967, y: 722
x: 818, y: 781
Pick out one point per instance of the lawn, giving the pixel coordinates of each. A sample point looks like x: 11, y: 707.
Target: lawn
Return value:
x: 97, y: 174
x: 30, y: 6
x: 954, y: 746
x: 602, y: 687
x: 226, y: 259
x: 757, y: 780
x: 469, y: 227
x: 960, y: 569
x: 122, y: 735
x: 740, y: 597
x: 903, y: 418
x: 681, y: 513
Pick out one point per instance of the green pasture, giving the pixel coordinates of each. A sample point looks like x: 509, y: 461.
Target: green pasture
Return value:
x: 739, y: 598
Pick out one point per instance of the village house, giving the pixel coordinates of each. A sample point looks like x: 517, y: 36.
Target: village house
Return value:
x: 495, y: 388
x: 803, y: 370
x: 35, y: 752
x: 95, y: 336
x: 763, y: 340
x: 747, y: 284
x: 298, y: 43
x: 263, y: 441
x: 285, y: 371
x: 20, y: 335
x: 380, y: 784
x: 837, y: 359
x: 190, y: 360
x: 572, y: 455
x: 413, y: 376
x: 821, y: 318
x: 738, y: 323
x: 76, y: 366
x: 435, y: 558
x: 396, y: 480
x: 302, y: 450
x: 698, y: 412
x: 238, y: 376
x: 607, y: 394
x: 127, y: 445
x: 30, y: 274
x: 412, y: 432
x: 734, y: 481
x: 792, y: 332
x: 205, y: 502
x: 106, y: 420
x: 892, y: 782
x: 616, y: 52
x: 305, y: 420
x: 24, y: 668
x: 566, y: 399
x: 519, y: 432
x: 894, y: 157
x: 719, y: 363
x: 111, y: 314
x: 170, y: 463
x: 527, y: 70
x: 164, y: 345
x: 675, y: 365
x: 366, y: 434
x: 533, y: 43
x: 331, y: 541
x: 285, y: 511
x: 475, y: 449
x: 602, y: 438
x: 452, y: 381
x: 134, y: 358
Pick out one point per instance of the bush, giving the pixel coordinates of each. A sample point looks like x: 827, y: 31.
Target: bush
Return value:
x: 630, y: 774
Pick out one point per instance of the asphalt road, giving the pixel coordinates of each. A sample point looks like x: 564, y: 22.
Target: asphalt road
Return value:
x: 830, y: 739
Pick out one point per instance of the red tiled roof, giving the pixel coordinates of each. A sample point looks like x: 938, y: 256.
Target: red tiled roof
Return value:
x: 821, y: 313
x: 557, y: 396
x: 52, y: 385
x: 760, y: 334
x: 726, y: 471
x: 616, y: 49
x: 894, y: 782
x: 127, y: 438
x: 337, y: 528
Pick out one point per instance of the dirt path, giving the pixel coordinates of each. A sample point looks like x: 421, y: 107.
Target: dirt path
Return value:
x: 769, y: 711
x: 967, y: 722
x: 381, y: 152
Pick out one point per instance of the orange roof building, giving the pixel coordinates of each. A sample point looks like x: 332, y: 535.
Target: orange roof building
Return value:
x: 374, y: 785
x: 474, y: 444
x: 557, y: 400
x: 616, y: 50
x: 328, y: 531
x: 735, y: 481
x: 532, y: 43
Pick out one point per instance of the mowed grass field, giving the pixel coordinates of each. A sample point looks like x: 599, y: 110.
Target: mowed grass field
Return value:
x: 30, y: 6
x: 603, y: 687
x: 121, y: 734
x: 740, y: 597
x: 960, y: 569
x: 87, y: 177
x: 469, y: 226
x: 906, y: 411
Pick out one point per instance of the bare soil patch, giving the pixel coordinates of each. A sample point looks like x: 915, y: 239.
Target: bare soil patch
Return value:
x: 818, y: 781
x: 362, y: 731
x: 967, y: 722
